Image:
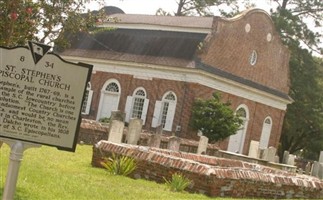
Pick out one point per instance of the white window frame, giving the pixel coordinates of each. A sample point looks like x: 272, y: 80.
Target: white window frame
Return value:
x: 265, y: 133
x: 158, y: 112
x: 130, y: 105
x: 86, y: 106
x: 104, y: 91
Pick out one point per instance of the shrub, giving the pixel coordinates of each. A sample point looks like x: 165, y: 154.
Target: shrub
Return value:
x: 178, y: 183
x: 119, y: 165
x: 105, y: 120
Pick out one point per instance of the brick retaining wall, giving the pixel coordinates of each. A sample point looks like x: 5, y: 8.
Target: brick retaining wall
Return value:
x: 214, y: 176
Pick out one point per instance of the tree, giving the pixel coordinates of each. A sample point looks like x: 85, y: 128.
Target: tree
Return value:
x: 302, y: 128
x: 196, y: 7
x: 44, y: 21
x: 292, y: 19
x: 215, y: 119
x: 303, y: 125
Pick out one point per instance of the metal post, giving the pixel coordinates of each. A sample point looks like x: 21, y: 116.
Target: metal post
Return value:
x: 16, y: 153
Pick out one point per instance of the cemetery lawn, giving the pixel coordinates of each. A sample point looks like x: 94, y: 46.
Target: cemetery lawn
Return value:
x: 47, y: 173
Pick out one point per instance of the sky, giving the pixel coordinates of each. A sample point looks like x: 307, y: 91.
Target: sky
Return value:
x: 151, y: 6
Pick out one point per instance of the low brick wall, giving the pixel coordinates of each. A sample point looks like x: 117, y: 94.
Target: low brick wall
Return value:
x: 214, y: 176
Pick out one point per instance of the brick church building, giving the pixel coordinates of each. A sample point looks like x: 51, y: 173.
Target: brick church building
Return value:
x: 154, y: 67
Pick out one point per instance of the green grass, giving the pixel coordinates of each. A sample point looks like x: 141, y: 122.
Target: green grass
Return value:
x: 49, y: 174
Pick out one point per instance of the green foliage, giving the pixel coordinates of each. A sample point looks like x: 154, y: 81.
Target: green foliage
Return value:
x: 119, y: 165
x: 302, y: 131
x: 197, y: 7
x: 215, y: 119
x: 42, y: 21
x: 178, y: 183
x: 105, y: 120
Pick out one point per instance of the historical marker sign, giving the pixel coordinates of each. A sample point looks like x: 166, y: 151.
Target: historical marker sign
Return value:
x: 41, y: 96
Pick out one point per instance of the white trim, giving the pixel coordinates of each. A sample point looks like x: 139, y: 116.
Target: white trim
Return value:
x: 188, y: 75
x: 265, y: 133
x: 156, y: 27
x: 103, y: 91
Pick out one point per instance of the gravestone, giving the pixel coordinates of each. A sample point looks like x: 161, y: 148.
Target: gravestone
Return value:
x: 321, y: 157
x: 117, y: 115
x: 174, y: 143
x: 159, y: 129
x: 276, y: 159
x: 269, y: 154
x: 315, y: 169
x: 291, y: 160
x: 285, y: 157
x: 308, y: 168
x: 116, y: 131
x: 253, y: 149
x: 320, y: 173
x: 134, y: 131
x: 202, y: 145
x: 154, y: 140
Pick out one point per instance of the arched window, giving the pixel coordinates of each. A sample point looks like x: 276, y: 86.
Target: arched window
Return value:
x: 137, y: 105
x: 236, y: 141
x: 87, y: 100
x: 265, y: 133
x: 109, y: 99
x: 165, y: 111
x: 112, y: 87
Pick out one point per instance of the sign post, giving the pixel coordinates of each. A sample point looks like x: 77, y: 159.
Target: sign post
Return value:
x: 17, y: 148
x: 41, y: 98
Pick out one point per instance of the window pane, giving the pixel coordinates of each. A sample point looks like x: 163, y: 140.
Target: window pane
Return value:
x: 137, y: 107
x: 86, y: 96
x: 164, y: 114
x: 112, y: 87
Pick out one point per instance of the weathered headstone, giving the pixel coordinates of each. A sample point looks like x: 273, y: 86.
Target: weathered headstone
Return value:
x: 308, y: 168
x: 253, y: 149
x: 276, y: 159
x: 117, y: 115
x: 321, y: 157
x: 116, y: 131
x: 320, y: 175
x: 285, y: 157
x: 159, y: 129
x: 154, y: 140
x: 202, y: 145
x: 174, y: 143
x: 134, y: 130
x: 315, y: 169
x: 269, y: 154
x: 291, y: 160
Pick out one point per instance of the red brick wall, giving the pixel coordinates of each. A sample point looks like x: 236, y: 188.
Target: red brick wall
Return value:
x: 214, y: 176
x: 229, y: 46
x: 186, y: 93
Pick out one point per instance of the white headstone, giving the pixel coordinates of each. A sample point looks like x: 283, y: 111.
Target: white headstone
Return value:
x: 202, y: 145
x: 269, y: 154
x: 321, y: 157
x: 285, y: 157
x: 253, y: 149
x: 116, y: 131
x: 291, y: 160
x: 315, y: 169
x: 134, y: 130
x: 320, y: 175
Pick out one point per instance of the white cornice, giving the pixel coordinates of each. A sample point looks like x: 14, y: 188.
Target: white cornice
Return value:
x: 192, y: 75
x: 157, y: 27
